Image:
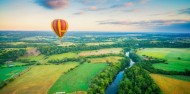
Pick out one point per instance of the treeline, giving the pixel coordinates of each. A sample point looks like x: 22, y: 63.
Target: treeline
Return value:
x: 49, y: 50
x: 148, y: 66
x: 137, y: 81
x: 4, y: 45
x: 53, y: 49
x: 99, y: 83
x: 11, y: 55
x: 59, y: 61
x: 134, y: 57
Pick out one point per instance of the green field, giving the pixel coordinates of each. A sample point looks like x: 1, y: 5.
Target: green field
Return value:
x: 33, y: 58
x: 37, y: 80
x: 171, y: 55
x: 6, y: 73
x: 77, y: 79
x: 113, y: 59
x: 61, y: 56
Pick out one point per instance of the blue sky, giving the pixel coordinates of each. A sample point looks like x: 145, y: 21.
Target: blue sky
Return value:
x: 97, y: 15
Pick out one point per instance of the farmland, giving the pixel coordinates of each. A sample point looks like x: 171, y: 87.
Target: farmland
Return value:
x: 78, y: 79
x: 177, y: 59
x: 6, y: 73
x: 61, y: 56
x: 100, y: 43
x: 113, y: 59
x: 37, y: 80
x: 90, y: 62
x: 171, y: 85
x: 101, y: 51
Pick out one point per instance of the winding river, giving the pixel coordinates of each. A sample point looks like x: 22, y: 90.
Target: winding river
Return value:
x: 113, y: 87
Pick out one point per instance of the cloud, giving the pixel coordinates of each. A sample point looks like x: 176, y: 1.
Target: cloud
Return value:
x: 53, y: 4
x: 152, y: 23
x: 178, y: 27
x: 78, y: 13
x: 143, y: 1
x: 184, y: 11
x: 161, y: 25
x: 129, y: 4
x: 92, y: 2
x: 94, y: 8
x: 132, y: 10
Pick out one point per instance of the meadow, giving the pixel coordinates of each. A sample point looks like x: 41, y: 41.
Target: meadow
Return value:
x: 64, y: 55
x: 38, y: 80
x: 101, y: 51
x: 6, y: 73
x: 171, y: 85
x: 77, y: 79
x: 113, y: 59
x: 178, y: 59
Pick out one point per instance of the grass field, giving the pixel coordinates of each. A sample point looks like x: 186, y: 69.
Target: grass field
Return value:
x: 171, y: 55
x: 6, y: 73
x: 77, y: 79
x: 33, y: 58
x: 16, y: 43
x: 171, y: 85
x: 101, y: 51
x: 38, y: 80
x: 113, y: 59
x: 61, y: 56
x: 99, y: 43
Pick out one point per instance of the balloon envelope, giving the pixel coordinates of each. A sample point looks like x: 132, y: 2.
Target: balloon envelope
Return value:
x: 60, y: 27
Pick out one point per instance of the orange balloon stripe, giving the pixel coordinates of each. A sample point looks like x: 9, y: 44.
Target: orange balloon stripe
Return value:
x: 62, y: 25
x: 58, y: 26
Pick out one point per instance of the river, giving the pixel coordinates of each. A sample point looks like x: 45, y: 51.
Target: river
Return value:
x: 113, y: 87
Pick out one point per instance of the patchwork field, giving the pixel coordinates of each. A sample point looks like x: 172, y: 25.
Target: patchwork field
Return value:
x: 101, y: 51
x: 61, y: 56
x: 178, y: 59
x: 77, y: 79
x: 6, y: 73
x: 38, y: 80
x: 113, y: 59
x: 171, y: 85
x: 33, y: 58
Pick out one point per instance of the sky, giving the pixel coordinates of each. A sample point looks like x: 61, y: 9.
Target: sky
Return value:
x: 97, y: 15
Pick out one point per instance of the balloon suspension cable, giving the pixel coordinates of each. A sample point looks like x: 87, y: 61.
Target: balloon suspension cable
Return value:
x: 60, y: 41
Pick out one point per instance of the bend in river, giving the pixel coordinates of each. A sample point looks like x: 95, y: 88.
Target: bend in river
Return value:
x: 113, y: 87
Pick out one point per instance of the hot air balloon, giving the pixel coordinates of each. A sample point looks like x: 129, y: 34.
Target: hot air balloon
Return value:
x: 59, y: 27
